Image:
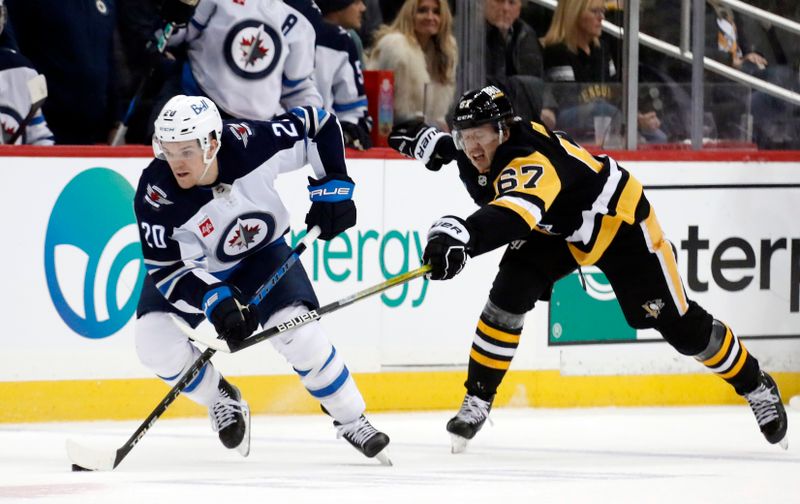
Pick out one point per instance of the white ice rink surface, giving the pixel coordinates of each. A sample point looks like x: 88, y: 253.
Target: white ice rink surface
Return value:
x: 655, y: 455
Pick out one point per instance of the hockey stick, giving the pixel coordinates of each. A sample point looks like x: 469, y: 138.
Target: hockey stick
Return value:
x: 91, y: 459
x: 161, y: 44
x: 37, y: 88
x: 235, y: 346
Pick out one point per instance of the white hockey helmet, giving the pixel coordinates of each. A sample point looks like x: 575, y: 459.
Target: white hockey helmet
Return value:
x: 188, y: 118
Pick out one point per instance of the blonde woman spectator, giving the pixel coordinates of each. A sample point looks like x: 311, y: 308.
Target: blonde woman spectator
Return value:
x: 420, y: 48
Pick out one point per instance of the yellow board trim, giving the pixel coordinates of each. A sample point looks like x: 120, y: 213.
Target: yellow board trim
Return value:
x: 134, y: 399
x: 497, y: 334
x: 726, y: 343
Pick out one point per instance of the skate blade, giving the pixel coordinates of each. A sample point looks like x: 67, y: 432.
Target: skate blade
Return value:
x: 784, y: 443
x: 244, y: 446
x: 457, y: 443
x: 383, y: 458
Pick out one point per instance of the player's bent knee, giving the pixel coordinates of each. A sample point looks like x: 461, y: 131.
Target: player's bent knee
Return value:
x: 690, y: 333
x: 501, y: 318
x: 302, y: 345
x: 160, y: 344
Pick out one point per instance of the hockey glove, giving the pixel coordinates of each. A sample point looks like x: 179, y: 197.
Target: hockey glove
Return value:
x: 422, y: 142
x: 447, y: 248
x: 178, y: 11
x: 332, y: 207
x: 231, y: 319
x: 356, y: 136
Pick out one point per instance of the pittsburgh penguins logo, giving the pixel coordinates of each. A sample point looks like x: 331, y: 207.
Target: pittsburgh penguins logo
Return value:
x: 252, y: 49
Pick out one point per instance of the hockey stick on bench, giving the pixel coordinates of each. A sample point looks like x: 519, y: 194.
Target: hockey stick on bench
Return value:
x: 91, y: 459
x: 235, y: 346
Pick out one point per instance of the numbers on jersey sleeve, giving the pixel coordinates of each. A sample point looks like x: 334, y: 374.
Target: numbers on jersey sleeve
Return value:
x: 513, y: 176
x: 288, y: 24
x: 154, y: 235
x: 285, y: 128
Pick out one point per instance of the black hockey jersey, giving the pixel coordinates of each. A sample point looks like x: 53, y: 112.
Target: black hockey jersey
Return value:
x: 193, y: 238
x: 543, y: 181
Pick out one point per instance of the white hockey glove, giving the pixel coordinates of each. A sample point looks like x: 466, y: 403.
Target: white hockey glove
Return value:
x: 448, y: 247
x: 424, y: 143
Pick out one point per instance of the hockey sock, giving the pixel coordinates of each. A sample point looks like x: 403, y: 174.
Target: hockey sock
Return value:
x: 496, y: 340
x: 726, y: 356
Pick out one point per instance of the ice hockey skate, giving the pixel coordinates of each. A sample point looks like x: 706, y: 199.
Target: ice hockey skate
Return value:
x: 468, y: 421
x: 230, y: 417
x: 765, y: 401
x: 365, y: 438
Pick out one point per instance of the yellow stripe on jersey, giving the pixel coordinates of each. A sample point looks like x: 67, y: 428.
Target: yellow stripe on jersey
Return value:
x: 497, y: 334
x: 489, y: 362
x: 726, y: 344
x: 531, y: 175
x: 581, y: 154
x: 669, y: 263
x: 625, y: 212
x: 539, y: 128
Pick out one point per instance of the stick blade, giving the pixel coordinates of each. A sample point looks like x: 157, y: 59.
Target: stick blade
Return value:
x: 202, y: 337
x: 90, y: 459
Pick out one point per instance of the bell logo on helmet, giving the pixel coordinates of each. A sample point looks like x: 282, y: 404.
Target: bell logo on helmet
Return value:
x: 199, y: 108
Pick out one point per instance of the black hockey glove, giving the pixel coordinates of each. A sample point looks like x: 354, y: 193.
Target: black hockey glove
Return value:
x: 356, y: 136
x: 447, y: 248
x: 332, y: 207
x: 178, y: 11
x: 422, y: 142
x: 232, y: 320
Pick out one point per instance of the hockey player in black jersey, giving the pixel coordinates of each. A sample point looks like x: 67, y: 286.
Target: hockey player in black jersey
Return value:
x: 212, y: 231
x: 560, y: 208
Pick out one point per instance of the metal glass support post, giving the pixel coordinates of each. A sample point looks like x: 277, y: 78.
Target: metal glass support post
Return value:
x: 630, y: 74
x: 698, y: 53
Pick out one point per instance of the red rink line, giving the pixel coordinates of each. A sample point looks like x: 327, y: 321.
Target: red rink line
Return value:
x: 679, y: 153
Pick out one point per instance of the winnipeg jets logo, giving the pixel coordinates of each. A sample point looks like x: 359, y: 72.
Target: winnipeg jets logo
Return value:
x: 241, y: 131
x: 252, y: 49
x: 653, y: 308
x: 9, y: 123
x: 156, y: 196
x: 246, y: 234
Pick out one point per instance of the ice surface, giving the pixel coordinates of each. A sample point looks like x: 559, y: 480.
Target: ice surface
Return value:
x: 641, y: 455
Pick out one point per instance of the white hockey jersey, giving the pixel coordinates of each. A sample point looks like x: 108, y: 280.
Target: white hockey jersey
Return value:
x: 15, y: 101
x: 194, y: 238
x: 337, y: 67
x: 254, y: 58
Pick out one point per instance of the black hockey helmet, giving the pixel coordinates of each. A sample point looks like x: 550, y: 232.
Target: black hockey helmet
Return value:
x: 488, y: 105
x: 481, y: 106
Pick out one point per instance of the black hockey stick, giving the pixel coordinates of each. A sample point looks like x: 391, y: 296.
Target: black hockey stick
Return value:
x: 235, y: 346
x: 161, y: 45
x: 90, y: 459
x: 37, y: 89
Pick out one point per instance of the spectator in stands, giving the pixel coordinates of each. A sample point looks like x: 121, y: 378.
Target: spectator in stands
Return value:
x: 514, y: 59
x: 71, y: 42
x: 373, y: 19
x: 420, y: 48
x: 575, y: 52
x: 15, y: 101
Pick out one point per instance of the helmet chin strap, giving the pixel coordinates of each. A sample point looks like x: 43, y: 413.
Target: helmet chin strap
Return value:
x: 207, y: 164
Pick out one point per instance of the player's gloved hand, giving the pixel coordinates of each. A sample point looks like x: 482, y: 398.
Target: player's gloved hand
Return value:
x: 356, y: 136
x: 178, y: 11
x: 332, y: 207
x: 422, y: 142
x: 232, y: 319
x: 447, y: 248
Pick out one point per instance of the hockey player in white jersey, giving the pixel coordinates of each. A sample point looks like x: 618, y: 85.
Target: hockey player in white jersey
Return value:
x: 15, y: 100
x: 254, y: 59
x: 212, y: 226
x: 338, y: 76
